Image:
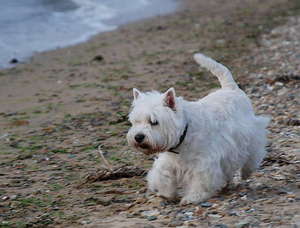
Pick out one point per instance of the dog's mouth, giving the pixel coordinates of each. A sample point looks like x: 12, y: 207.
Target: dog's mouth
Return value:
x: 145, y: 148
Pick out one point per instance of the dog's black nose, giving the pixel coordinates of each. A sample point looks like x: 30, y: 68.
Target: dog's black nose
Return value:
x: 139, y: 138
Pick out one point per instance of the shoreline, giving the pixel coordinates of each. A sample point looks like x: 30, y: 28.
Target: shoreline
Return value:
x: 111, y: 24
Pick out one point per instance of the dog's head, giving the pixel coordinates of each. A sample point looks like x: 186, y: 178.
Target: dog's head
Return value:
x: 157, y: 121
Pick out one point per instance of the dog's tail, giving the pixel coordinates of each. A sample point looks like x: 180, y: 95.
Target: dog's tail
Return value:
x: 223, y: 74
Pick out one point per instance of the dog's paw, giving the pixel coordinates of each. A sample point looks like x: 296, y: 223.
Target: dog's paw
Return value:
x: 170, y: 196
x: 194, y: 198
x: 184, y: 202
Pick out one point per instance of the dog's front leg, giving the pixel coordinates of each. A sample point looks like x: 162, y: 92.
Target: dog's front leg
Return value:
x: 196, y: 191
x: 200, y: 186
x: 161, y: 178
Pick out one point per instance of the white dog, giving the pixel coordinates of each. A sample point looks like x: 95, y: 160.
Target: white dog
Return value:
x: 203, y: 142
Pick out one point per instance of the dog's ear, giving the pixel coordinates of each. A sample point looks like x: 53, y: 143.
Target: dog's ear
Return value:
x: 169, y: 98
x: 136, y: 93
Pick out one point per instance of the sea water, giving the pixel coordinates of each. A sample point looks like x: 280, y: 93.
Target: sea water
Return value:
x: 29, y: 26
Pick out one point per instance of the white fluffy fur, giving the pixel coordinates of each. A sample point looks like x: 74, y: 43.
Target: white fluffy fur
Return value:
x: 223, y: 136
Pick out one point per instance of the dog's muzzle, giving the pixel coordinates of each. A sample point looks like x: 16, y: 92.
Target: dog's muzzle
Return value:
x: 141, y: 144
x: 140, y: 141
x: 139, y: 138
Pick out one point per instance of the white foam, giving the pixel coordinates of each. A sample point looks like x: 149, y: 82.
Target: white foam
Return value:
x: 36, y: 26
x: 91, y: 12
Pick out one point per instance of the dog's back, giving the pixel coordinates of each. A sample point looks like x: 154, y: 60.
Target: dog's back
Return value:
x: 231, y: 105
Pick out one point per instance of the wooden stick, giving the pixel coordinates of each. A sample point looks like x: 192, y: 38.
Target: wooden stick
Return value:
x: 106, y: 163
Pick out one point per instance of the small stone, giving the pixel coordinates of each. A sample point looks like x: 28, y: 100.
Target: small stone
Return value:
x: 242, y: 194
x: 244, y: 197
x: 233, y: 213
x: 130, y: 215
x: 278, y: 83
x: 85, y: 222
x: 187, y: 218
x: 98, y: 58
x: 72, y: 156
x: 250, y: 210
x: 164, y: 203
x: 160, y: 27
x: 242, y: 224
x: 175, y: 223
x: 282, y: 91
x: 151, y: 218
x: 214, y: 216
x: 5, y: 198
x: 221, y: 226
x: 148, y: 226
x: 150, y: 213
x: 220, y: 42
x: 189, y: 213
x: 279, y: 177
x: 206, y: 204
x: 13, y: 197
x: 13, y: 61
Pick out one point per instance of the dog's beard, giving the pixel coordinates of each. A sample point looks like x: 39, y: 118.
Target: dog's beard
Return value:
x: 151, y: 145
x: 147, y: 149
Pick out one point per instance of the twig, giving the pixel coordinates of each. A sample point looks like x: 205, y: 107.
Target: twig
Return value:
x: 112, y: 173
x: 115, y: 174
x: 4, y: 136
x: 106, y: 163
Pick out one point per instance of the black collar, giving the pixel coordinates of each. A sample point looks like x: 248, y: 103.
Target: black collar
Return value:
x: 182, y: 137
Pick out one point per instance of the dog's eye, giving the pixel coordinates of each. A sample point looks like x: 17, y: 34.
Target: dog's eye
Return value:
x: 154, y: 122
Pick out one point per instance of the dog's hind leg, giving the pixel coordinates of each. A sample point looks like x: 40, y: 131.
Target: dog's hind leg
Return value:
x: 162, y: 177
x: 256, y: 148
x: 253, y: 162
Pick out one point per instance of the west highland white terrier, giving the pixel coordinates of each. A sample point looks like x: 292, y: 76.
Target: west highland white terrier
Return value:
x: 201, y: 144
